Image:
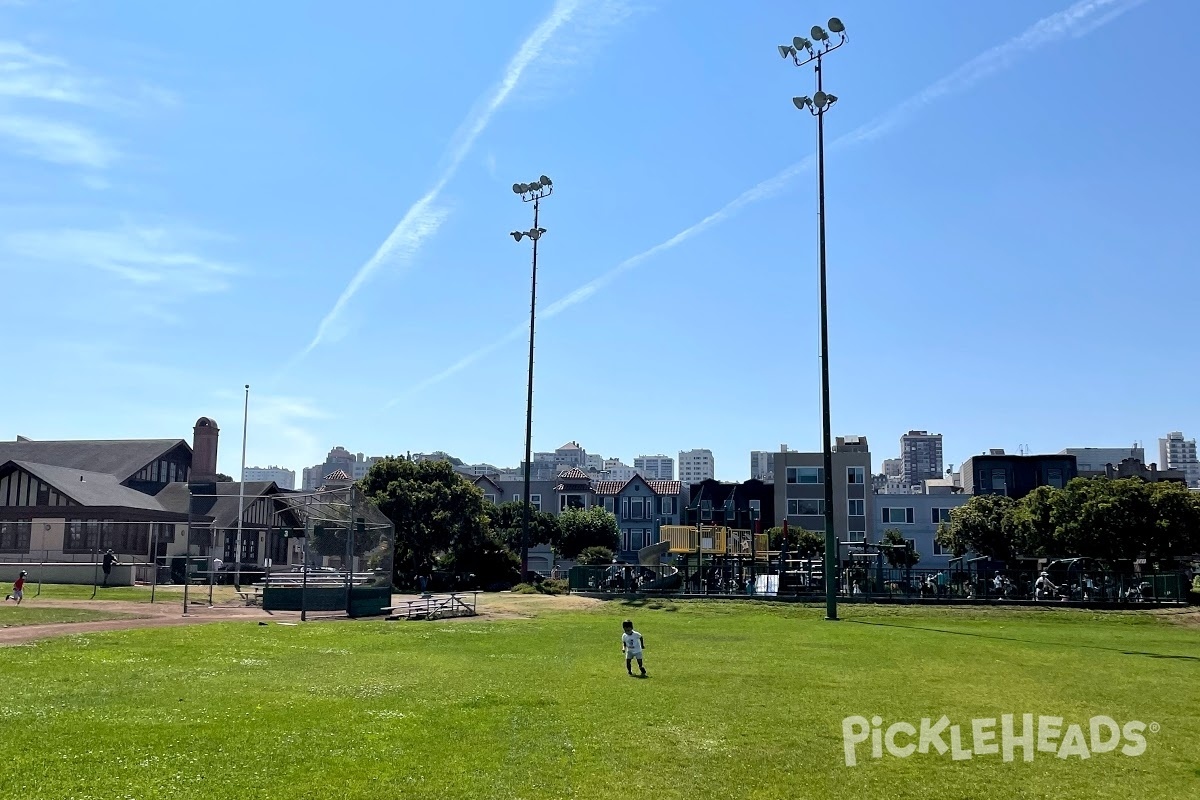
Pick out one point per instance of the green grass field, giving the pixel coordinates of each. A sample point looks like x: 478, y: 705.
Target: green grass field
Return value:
x: 27, y: 614
x: 168, y: 593
x: 742, y: 701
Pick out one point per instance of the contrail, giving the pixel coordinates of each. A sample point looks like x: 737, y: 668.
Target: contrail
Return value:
x: 1078, y: 20
x: 424, y: 218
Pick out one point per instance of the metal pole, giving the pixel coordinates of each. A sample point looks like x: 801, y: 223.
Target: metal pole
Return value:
x: 187, y: 551
x: 95, y: 568
x: 529, y: 404
x: 304, y: 581
x: 154, y: 562
x: 831, y: 554
x: 350, y: 522
x: 237, y: 556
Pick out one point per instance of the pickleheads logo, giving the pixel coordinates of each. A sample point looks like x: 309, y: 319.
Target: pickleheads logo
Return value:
x: 1098, y: 735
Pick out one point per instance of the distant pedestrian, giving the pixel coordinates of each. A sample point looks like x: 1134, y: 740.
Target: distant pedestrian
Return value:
x: 632, y: 644
x: 107, y: 565
x: 18, y: 590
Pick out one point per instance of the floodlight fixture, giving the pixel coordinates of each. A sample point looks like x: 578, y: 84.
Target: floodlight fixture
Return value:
x: 836, y: 25
x: 517, y: 235
x: 832, y: 98
x: 546, y: 181
x: 517, y: 188
x: 820, y: 100
x: 819, y: 33
x: 800, y: 43
x: 801, y: 102
x: 784, y: 51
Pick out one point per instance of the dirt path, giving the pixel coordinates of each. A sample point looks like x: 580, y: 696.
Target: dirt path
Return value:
x: 157, y: 615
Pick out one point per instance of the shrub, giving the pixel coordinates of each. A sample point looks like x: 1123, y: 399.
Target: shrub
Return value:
x: 592, y: 556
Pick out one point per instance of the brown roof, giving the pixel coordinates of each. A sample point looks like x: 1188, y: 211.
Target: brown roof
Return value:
x: 666, y: 487
x: 337, y: 475
x: 608, y: 487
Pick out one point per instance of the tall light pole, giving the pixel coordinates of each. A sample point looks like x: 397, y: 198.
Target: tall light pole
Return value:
x: 804, y: 51
x: 237, y: 556
x: 530, y: 193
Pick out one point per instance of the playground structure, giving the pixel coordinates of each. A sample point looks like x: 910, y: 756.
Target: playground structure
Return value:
x: 721, y: 561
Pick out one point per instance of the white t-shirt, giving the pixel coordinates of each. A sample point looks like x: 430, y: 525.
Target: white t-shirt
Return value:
x: 632, y: 642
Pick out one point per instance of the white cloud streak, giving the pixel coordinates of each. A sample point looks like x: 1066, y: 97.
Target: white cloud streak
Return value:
x: 424, y: 217
x: 1078, y: 20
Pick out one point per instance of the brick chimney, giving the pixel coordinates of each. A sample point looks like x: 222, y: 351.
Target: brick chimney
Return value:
x: 204, y: 451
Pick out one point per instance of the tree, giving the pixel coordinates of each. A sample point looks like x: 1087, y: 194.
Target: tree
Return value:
x: 1176, y: 529
x: 979, y: 527
x: 896, y: 557
x: 594, y: 556
x: 1033, y: 521
x: 800, y: 543
x: 329, y: 539
x: 579, y: 529
x: 1105, y: 519
x: 434, y: 509
x: 485, y: 561
x: 223, y: 478
x: 507, y: 520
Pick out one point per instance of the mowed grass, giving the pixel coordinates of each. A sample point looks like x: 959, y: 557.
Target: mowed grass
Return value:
x: 167, y: 593
x: 743, y: 701
x: 12, y: 615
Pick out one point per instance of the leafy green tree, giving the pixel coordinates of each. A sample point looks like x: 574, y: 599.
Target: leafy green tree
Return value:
x: 485, y: 561
x: 897, y: 558
x: 329, y: 539
x: 979, y: 527
x: 579, y: 529
x: 1176, y: 529
x: 1105, y: 519
x: 1033, y: 522
x: 434, y: 509
x: 223, y: 478
x: 507, y: 519
x: 595, y: 556
x: 801, y: 543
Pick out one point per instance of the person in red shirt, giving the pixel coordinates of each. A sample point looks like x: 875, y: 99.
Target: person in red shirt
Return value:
x: 18, y: 590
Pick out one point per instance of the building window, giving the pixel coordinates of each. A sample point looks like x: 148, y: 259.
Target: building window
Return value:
x: 856, y: 508
x: 516, y: 497
x: 566, y: 501
x: 706, y: 510
x: 855, y: 475
x: 937, y: 548
x: 668, y: 505
x: 491, y: 498
x: 999, y: 482
x: 609, y: 505
x: 856, y: 536
x: 535, y: 501
x: 14, y: 536
x: 939, y: 515
x: 898, y: 516
x: 806, y: 475
x: 805, y: 507
x: 637, y: 508
x: 1054, y: 477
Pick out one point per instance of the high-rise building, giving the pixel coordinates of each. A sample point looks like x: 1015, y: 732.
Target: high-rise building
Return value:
x: 615, y: 469
x: 283, y: 478
x: 570, y: 455
x: 920, y: 457
x: 356, y: 465
x: 696, y: 466
x: 657, y: 467
x: 762, y: 464
x: 893, y: 467
x: 1175, y: 452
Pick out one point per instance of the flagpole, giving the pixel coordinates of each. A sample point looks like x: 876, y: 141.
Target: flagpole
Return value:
x: 237, y: 555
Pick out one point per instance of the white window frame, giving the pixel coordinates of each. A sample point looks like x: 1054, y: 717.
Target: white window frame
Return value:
x: 610, y: 504
x: 856, y: 536
x: 535, y: 501
x: 668, y: 506
x: 638, y: 505
x: 935, y: 516
x: 491, y: 498
x: 907, y: 514
x: 852, y: 472
x: 516, y: 497
x: 850, y: 507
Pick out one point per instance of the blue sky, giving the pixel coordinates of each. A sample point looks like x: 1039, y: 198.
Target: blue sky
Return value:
x: 317, y: 202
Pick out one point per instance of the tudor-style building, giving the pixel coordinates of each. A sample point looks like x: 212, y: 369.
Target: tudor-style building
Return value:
x: 62, y: 501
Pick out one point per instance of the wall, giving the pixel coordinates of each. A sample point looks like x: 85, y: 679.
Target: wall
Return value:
x: 842, y: 491
x: 58, y: 572
x: 922, y: 530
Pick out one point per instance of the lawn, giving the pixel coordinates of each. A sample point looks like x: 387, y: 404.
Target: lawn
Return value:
x: 169, y: 593
x: 742, y: 701
x: 13, y: 615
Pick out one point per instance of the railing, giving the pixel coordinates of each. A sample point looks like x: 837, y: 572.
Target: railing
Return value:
x: 437, y: 607
x: 873, y: 581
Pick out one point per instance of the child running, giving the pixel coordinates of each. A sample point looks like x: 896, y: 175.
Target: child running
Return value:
x: 18, y: 591
x: 632, y: 645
